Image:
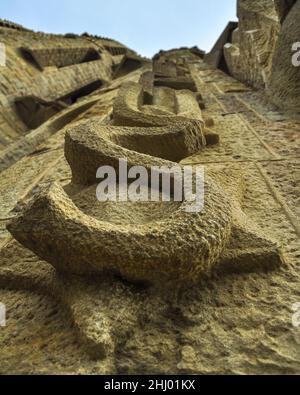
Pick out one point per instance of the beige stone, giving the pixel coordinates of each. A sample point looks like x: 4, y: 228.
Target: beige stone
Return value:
x: 284, y: 83
x: 148, y: 288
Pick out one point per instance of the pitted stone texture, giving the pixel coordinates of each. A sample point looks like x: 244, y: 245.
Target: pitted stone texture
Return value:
x: 284, y: 84
x: 167, y: 246
x: 127, y: 110
x: 238, y: 324
x: 85, y: 303
x: 130, y: 110
x: 178, y: 248
x: 22, y: 76
x: 215, y: 57
x: 259, y: 52
x: 61, y: 56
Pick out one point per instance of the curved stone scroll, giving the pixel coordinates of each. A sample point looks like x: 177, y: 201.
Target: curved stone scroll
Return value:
x: 60, y: 56
x: 77, y: 243
x: 129, y: 111
x: 179, y: 247
x: 167, y: 247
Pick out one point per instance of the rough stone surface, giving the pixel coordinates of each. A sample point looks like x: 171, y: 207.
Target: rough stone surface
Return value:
x: 259, y: 51
x: 218, y: 287
x: 284, y: 83
x: 249, y: 57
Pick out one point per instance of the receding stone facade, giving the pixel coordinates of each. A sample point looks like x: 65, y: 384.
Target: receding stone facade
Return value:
x: 259, y: 51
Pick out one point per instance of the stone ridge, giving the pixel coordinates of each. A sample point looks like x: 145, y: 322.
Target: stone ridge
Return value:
x: 12, y: 25
x: 51, y: 68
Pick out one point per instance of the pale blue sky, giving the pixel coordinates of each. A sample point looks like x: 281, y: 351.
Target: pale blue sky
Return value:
x: 145, y: 26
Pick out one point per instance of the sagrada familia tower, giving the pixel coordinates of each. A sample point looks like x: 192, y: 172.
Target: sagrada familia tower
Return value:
x: 144, y: 287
